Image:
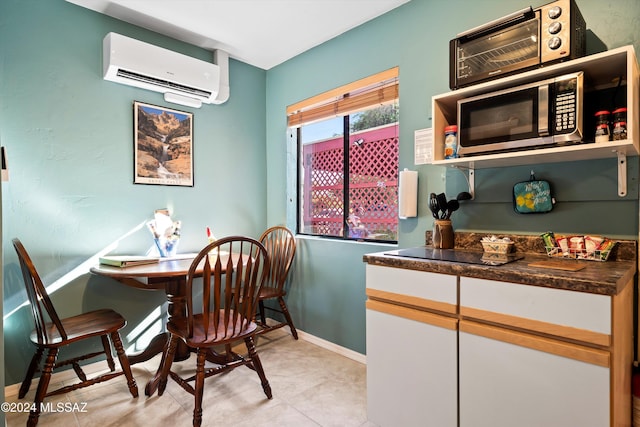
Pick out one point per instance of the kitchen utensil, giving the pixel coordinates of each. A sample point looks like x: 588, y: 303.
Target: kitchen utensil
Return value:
x: 452, y: 206
x: 442, y: 204
x: 433, y: 205
x: 465, y: 195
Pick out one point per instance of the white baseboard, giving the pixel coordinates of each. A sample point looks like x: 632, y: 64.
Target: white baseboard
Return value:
x: 343, y: 351
x: 11, y: 390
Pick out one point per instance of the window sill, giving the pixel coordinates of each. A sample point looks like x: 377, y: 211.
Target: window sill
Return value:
x: 357, y: 242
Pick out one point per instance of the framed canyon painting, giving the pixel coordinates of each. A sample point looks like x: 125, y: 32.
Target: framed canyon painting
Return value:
x: 163, y: 145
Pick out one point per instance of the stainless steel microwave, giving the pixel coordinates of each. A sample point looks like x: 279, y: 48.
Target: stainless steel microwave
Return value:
x: 537, y: 114
x: 520, y: 41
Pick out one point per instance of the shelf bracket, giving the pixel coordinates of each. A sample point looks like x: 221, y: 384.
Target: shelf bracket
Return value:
x: 471, y: 179
x: 622, y: 174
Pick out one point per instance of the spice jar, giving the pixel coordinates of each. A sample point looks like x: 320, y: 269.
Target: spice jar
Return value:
x: 602, y: 126
x: 451, y: 142
x: 620, y: 124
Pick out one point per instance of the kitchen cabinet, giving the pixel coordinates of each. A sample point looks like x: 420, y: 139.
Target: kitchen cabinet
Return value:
x: 532, y: 356
x: 452, y: 350
x: 504, y: 384
x: 411, y: 352
x: 602, y: 71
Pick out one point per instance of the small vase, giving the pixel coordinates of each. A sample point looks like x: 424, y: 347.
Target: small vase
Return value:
x: 442, y: 234
x: 166, y: 247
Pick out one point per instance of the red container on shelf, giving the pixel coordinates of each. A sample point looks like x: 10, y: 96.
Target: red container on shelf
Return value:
x: 619, y: 124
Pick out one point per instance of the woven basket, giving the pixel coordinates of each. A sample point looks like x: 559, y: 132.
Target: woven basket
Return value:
x: 497, y: 247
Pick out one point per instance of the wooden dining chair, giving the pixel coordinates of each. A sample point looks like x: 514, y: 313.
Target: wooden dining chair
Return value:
x: 51, y: 333
x: 281, y: 247
x: 223, y: 284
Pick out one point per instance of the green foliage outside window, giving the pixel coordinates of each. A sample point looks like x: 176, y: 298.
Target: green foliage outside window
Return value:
x: 375, y: 117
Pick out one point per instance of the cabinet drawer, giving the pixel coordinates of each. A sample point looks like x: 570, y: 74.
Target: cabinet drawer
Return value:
x: 415, y: 288
x: 573, y: 315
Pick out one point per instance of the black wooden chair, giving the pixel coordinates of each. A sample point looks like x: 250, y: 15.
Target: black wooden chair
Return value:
x: 222, y: 289
x: 281, y: 247
x: 52, y: 333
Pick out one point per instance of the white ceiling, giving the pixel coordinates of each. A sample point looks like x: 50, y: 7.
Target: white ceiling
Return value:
x: 263, y: 33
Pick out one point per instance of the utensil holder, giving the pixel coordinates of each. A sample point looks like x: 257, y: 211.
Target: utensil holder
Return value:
x: 442, y: 234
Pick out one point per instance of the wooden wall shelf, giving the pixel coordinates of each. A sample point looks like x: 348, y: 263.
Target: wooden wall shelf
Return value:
x: 602, y: 71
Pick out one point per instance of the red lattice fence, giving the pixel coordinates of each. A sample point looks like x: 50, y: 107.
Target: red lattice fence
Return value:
x: 373, y: 186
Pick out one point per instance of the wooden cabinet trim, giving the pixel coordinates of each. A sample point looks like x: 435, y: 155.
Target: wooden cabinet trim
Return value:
x: 413, y: 314
x: 572, y: 351
x: 408, y: 300
x: 568, y: 332
x: 622, y: 356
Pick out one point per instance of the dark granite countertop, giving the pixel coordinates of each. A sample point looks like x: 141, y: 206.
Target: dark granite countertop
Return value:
x: 605, y: 278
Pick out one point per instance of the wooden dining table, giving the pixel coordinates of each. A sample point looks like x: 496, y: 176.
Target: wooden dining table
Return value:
x: 170, y: 275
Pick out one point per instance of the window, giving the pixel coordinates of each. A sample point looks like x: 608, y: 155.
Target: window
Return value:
x: 348, y: 148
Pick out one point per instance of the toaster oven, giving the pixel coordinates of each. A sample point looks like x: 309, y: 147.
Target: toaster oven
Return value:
x: 522, y: 40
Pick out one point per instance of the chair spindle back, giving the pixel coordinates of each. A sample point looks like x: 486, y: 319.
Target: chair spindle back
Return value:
x: 41, y: 307
x: 281, y: 247
x: 233, y: 270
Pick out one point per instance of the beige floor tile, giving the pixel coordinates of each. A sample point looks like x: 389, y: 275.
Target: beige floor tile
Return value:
x: 311, y: 387
x: 281, y: 415
x: 54, y: 411
x: 334, y: 403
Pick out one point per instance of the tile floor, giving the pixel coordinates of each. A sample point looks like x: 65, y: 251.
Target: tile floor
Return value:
x: 312, y: 386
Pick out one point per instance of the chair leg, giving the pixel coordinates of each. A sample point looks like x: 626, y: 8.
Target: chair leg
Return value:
x: 165, y: 368
x: 199, y: 387
x: 263, y: 319
x: 124, y: 362
x: 285, y: 311
x: 79, y: 372
x: 107, y: 352
x: 229, y: 355
x: 43, y: 384
x: 257, y: 365
x: 33, y: 366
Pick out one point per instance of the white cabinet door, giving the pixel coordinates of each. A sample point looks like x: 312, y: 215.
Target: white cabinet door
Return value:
x: 411, y: 369
x: 506, y: 385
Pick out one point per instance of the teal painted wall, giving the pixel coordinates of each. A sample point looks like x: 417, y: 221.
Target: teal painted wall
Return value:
x: 68, y: 135
x: 328, y: 291
x: 69, y: 140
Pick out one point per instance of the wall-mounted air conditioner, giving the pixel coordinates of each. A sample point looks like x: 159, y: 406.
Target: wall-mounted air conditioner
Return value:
x: 182, y: 79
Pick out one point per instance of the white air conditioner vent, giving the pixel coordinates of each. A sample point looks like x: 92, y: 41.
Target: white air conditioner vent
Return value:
x: 163, y: 83
x: 135, y: 63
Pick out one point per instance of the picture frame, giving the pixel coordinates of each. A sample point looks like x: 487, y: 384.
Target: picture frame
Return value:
x: 163, y: 145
